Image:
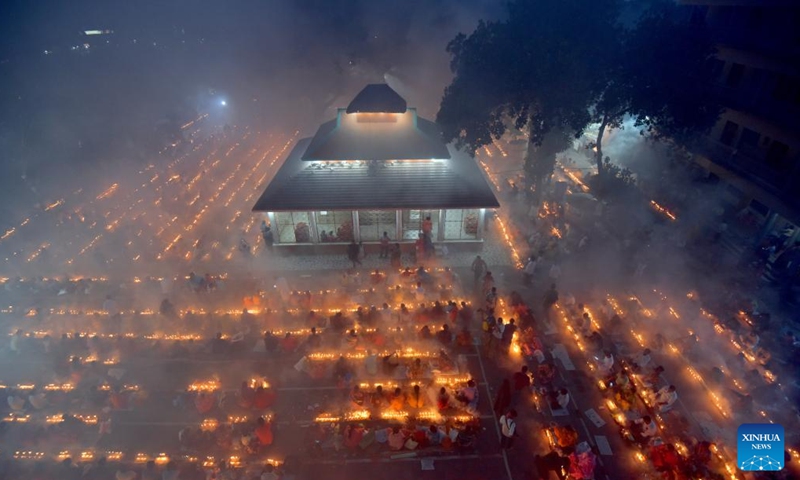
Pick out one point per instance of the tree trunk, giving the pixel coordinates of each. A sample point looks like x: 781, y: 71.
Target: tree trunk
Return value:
x: 599, y: 146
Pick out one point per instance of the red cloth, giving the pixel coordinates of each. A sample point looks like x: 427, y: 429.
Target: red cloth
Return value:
x: 263, y: 399
x: 264, y: 434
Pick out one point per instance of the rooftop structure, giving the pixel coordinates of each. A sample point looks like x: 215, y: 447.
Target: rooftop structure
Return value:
x: 376, y: 167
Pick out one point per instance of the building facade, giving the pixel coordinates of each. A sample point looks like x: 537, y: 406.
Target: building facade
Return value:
x: 754, y: 149
x: 377, y: 167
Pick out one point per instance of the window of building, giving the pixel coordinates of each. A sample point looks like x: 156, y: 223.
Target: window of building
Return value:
x: 777, y: 155
x: 412, y: 223
x: 729, y: 133
x: 335, y: 226
x: 735, y: 75
x: 461, y: 224
x: 372, y: 224
x: 293, y: 227
x: 785, y: 88
x: 748, y: 143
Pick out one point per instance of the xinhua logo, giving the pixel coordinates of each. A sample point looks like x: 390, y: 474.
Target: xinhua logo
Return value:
x: 760, y: 447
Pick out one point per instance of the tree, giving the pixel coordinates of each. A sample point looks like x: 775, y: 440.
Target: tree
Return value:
x: 541, y: 67
x: 661, y: 78
x: 540, y: 160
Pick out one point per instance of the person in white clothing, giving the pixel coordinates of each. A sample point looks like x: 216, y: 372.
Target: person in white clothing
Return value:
x: 508, y: 429
x: 666, y: 398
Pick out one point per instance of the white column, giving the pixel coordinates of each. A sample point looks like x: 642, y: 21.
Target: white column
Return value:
x: 356, y: 227
x: 481, y: 222
x: 440, y: 234
x: 398, y: 219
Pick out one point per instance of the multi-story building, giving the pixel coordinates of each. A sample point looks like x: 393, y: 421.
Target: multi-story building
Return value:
x: 754, y: 149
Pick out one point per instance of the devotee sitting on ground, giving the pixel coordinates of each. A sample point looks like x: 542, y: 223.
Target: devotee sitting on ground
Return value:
x: 582, y: 462
x: 546, y: 373
x: 357, y: 397
x: 652, y: 379
x: 443, y: 400
x: 666, y: 398
x: 38, y: 400
x: 468, y: 396
x: 464, y: 338
x: 378, y: 399
x: 644, y: 429
x: 434, y: 436
x: 205, y: 402
x: 397, y: 400
x: 642, y: 361
x: 552, y: 462
x: 566, y: 438
x: 263, y: 432
x: 559, y: 399
x: 16, y: 402
x: 444, y: 336
x: 416, y: 398
x: 595, y: 341
x: 605, y: 365
x: 167, y: 309
x: 750, y: 340
x: 263, y: 398
x: 665, y: 459
x: 396, y: 438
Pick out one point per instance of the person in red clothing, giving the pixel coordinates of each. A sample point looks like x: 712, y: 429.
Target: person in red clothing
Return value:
x: 263, y: 398
x: 522, y: 382
x: 353, y: 435
x: 264, y: 432
x: 665, y: 459
x: 205, y: 402
x: 289, y: 343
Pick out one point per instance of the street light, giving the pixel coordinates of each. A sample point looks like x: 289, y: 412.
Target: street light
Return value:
x: 223, y: 102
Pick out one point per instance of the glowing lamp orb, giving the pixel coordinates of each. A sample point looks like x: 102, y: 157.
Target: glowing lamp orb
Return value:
x: 223, y: 103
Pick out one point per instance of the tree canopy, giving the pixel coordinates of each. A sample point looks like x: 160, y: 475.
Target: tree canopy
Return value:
x: 539, y: 67
x: 563, y: 64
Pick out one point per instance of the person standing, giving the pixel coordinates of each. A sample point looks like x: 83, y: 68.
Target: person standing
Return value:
x: 528, y: 271
x: 396, y: 256
x: 503, y: 399
x: 427, y: 226
x: 269, y: 239
x: 508, y: 429
x: 479, y: 268
x: 385, y: 245
x: 550, y: 299
x: 352, y: 253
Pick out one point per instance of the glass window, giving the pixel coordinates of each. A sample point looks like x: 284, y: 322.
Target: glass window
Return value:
x: 335, y: 225
x: 461, y: 224
x: 372, y: 224
x: 413, y: 221
x: 293, y: 227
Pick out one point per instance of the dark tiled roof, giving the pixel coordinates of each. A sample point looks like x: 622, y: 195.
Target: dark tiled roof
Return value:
x: 377, y: 98
x: 412, y: 138
x: 304, y: 186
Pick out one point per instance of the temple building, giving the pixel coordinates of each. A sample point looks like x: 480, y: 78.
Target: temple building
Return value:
x: 377, y: 167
